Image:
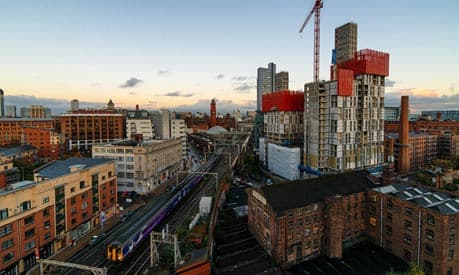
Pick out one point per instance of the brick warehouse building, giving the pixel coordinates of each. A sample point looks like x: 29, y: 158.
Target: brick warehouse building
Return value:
x: 83, y: 128
x: 300, y: 220
x: 12, y: 128
x: 49, y: 143
x: 65, y: 201
x: 417, y: 224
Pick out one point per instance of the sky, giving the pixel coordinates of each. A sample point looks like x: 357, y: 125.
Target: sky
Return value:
x: 181, y: 54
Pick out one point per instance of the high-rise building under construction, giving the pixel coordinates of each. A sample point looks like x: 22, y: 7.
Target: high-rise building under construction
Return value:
x: 344, y: 117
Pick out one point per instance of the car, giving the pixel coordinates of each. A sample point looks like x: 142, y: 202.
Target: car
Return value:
x: 96, y: 239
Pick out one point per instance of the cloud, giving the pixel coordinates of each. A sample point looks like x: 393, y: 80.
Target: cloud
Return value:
x: 423, y: 99
x: 240, y: 78
x: 245, y: 87
x: 223, y: 106
x: 163, y: 72
x: 178, y: 94
x: 389, y: 83
x: 220, y: 76
x: 131, y: 83
x: 57, y: 106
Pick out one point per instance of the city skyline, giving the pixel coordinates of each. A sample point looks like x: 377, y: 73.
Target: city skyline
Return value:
x: 180, y: 55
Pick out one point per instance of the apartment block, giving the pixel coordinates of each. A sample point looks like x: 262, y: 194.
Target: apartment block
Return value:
x: 83, y: 128
x: 417, y: 224
x: 64, y: 201
x: 9, y: 174
x: 139, y: 123
x: 12, y: 128
x: 24, y: 153
x: 422, y: 149
x: 142, y: 166
x: 344, y: 117
x: 49, y: 143
x: 345, y: 42
x: 301, y: 220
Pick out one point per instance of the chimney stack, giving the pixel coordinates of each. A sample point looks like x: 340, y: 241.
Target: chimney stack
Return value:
x: 404, y: 157
x: 137, y: 107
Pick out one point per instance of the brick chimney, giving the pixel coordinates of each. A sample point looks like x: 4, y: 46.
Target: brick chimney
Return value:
x: 403, y: 165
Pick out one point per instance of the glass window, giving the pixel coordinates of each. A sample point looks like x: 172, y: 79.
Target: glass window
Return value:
x: 409, y: 211
x: 430, y: 219
x: 7, y: 244
x: 408, y: 225
x: 5, y: 230
x: 28, y: 220
x: 429, y: 249
x: 429, y: 234
x: 450, y: 254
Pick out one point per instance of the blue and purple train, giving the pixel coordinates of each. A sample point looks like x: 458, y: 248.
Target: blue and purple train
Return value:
x: 119, y: 249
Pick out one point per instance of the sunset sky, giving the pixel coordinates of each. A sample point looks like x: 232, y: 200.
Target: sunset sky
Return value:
x: 180, y: 54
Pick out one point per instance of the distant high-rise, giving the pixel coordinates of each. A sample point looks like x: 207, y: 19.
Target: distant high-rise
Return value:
x: 266, y: 78
x: 74, y: 105
x: 281, y: 81
x: 10, y: 110
x: 345, y: 42
x: 2, y: 103
x: 35, y: 111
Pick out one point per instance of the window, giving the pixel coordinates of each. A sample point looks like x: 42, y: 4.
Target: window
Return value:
x: 4, y: 214
x: 82, y: 184
x: 84, y: 215
x: 389, y: 245
x: 307, y: 244
x: 388, y: 230
x: 7, y: 229
x: 73, y: 221
x: 451, y: 239
x: 73, y: 200
x: 46, y: 212
x: 72, y: 189
x: 428, y: 267
x: 25, y: 205
x: 28, y: 220
x: 7, y: 244
x: 84, y: 205
x: 46, y: 199
x: 372, y: 221
x: 408, y: 211
x: 47, y: 224
x: 406, y: 255
x: 430, y: 219
x: 389, y: 204
x: 84, y: 195
x: 450, y: 254
x: 407, y: 239
x: 408, y: 225
x: 315, y: 243
x: 389, y: 217
x: 373, y: 198
x: 29, y: 233
x: 30, y: 245
x: 47, y: 235
x: 73, y: 210
x: 8, y: 257
x: 109, y: 174
x: 429, y: 249
x: 372, y: 210
x: 429, y: 234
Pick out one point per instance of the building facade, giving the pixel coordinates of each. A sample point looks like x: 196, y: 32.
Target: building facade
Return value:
x: 281, y: 81
x: 265, y: 82
x: 138, y: 122
x: 42, y: 216
x: 49, y: 143
x: 12, y: 128
x: 344, y: 117
x: 345, y: 42
x: 142, y: 166
x: 10, y: 111
x: 301, y: 220
x: 178, y: 130
x: 2, y: 103
x: 161, y: 123
x: 83, y: 128
x: 442, y: 115
x: 35, y: 111
x: 391, y: 113
x: 422, y: 149
x: 417, y: 224
x: 448, y: 146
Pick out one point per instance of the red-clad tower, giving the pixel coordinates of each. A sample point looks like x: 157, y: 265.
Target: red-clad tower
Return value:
x: 404, y: 154
x: 213, y: 113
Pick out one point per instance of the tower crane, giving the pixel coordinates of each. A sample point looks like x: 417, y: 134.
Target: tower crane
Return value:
x: 318, y: 4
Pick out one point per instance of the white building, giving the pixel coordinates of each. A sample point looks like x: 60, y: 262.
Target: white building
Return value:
x: 142, y: 166
x: 178, y: 130
x: 138, y: 122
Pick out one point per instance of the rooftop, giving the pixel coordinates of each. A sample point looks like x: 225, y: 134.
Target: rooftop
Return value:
x: 62, y: 167
x: 216, y: 130
x: 14, y: 119
x: 303, y: 192
x: 423, y: 197
x: 13, y: 151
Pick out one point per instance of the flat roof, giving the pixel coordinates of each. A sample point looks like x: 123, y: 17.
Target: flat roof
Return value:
x: 16, y: 150
x: 62, y: 167
x: 300, y: 193
x: 423, y: 197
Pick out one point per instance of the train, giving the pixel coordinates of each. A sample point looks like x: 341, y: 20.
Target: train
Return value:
x: 120, y: 248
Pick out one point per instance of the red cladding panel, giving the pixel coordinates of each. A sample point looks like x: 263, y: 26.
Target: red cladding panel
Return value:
x: 285, y: 101
x: 345, y: 82
x: 368, y: 62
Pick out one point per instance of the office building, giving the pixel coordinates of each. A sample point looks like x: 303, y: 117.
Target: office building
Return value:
x: 265, y: 82
x: 300, y: 220
x: 391, y: 113
x: 281, y: 82
x: 83, y: 128
x: 35, y: 111
x: 10, y: 111
x: 442, y: 115
x: 74, y: 105
x: 65, y: 200
x: 178, y: 130
x: 161, y: 123
x: 14, y: 128
x: 417, y: 224
x: 139, y: 124
x: 142, y: 166
x: 344, y: 117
